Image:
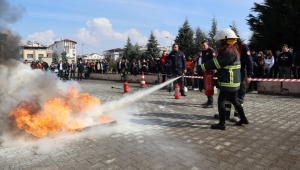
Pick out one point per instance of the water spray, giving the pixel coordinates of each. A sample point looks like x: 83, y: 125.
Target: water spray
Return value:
x: 114, y: 105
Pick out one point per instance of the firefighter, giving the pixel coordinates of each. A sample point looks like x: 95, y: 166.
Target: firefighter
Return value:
x: 207, y: 55
x: 246, y: 74
x: 178, y: 66
x: 228, y: 66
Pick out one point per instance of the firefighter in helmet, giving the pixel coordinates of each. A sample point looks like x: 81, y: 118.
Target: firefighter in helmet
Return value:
x: 229, y: 76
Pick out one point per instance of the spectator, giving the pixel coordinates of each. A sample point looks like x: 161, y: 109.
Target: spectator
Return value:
x: 52, y: 67
x: 60, y: 69
x: 119, y: 66
x: 105, y: 66
x: 80, y: 66
x: 275, y: 66
x: 72, y: 68
x: 260, y: 70
x: 152, y: 66
x: 190, y: 72
x: 269, y: 60
x: 161, y: 70
x: 93, y: 66
x: 26, y: 63
x: 88, y: 69
x: 66, y: 68
x: 293, y: 68
x: 45, y: 65
x: 134, y: 68
x: 285, y: 62
x: 144, y: 66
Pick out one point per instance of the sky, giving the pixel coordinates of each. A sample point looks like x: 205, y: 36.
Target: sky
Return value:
x: 99, y: 25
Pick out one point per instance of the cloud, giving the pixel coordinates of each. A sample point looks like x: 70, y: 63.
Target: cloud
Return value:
x: 45, y: 38
x: 100, y: 32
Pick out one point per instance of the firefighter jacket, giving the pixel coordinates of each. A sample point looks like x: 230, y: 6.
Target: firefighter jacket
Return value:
x: 228, y: 66
x: 178, y: 60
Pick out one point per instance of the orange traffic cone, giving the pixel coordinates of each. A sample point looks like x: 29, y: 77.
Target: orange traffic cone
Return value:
x: 143, y: 83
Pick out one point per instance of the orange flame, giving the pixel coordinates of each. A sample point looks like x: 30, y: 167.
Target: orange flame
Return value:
x: 58, y: 113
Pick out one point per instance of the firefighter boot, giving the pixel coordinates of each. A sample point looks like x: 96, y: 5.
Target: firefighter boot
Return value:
x: 243, y: 119
x: 221, y: 125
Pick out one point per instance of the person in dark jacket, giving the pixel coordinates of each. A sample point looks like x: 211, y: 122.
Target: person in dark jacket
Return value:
x: 297, y: 64
x: 207, y: 55
x: 178, y: 66
x: 80, y: 70
x: 228, y: 65
x: 285, y: 62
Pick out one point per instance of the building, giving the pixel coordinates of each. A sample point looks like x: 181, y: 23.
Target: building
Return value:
x: 93, y: 56
x: 33, y: 51
x: 144, y: 49
x: 69, y: 46
x: 114, y: 54
x: 3, y: 38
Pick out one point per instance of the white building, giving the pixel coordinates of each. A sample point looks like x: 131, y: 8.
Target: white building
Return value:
x: 114, y: 54
x: 93, y: 56
x: 69, y: 46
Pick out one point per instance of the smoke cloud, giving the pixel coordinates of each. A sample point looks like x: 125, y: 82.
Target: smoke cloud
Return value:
x: 9, y: 15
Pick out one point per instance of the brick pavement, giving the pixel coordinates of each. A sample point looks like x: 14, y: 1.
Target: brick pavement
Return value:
x: 163, y: 133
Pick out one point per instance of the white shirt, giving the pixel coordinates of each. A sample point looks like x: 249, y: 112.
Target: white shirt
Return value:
x: 61, y: 66
x: 269, y: 62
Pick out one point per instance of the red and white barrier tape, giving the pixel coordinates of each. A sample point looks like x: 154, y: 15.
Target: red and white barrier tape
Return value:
x: 252, y: 79
x: 275, y: 80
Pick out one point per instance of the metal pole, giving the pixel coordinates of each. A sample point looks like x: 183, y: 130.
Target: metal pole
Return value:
x: 171, y: 43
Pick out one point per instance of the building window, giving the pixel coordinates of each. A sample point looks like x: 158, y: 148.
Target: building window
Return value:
x: 41, y: 55
x: 29, y: 55
x: 73, y: 45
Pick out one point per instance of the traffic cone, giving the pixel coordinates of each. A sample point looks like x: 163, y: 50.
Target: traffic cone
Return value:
x: 143, y: 83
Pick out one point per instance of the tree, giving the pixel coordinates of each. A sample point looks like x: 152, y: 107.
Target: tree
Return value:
x: 55, y: 57
x: 199, y: 37
x: 211, y: 34
x: 128, y: 50
x: 152, y: 46
x: 136, y: 51
x: 185, y: 38
x: 275, y: 23
x: 64, y: 56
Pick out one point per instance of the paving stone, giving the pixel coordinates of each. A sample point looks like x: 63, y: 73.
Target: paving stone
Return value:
x: 164, y: 133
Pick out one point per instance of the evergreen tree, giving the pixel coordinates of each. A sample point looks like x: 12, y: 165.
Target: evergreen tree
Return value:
x: 64, y: 56
x: 152, y: 46
x: 55, y: 57
x: 199, y: 37
x: 128, y: 50
x: 211, y: 34
x: 185, y: 38
x: 136, y: 51
x: 275, y: 23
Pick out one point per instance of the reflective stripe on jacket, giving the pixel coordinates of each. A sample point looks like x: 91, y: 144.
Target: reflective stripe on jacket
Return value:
x: 228, y: 66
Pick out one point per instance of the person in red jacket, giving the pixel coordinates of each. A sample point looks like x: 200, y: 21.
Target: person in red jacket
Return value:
x: 190, y: 67
x: 160, y: 67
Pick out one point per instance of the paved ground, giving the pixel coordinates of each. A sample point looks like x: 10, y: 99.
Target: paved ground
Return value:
x: 159, y: 132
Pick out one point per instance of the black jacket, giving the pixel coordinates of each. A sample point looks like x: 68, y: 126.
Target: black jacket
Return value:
x: 246, y: 59
x: 80, y: 67
x: 228, y: 66
x: 177, y: 59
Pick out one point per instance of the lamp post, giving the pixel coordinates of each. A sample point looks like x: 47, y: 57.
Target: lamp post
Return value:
x: 171, y: 43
